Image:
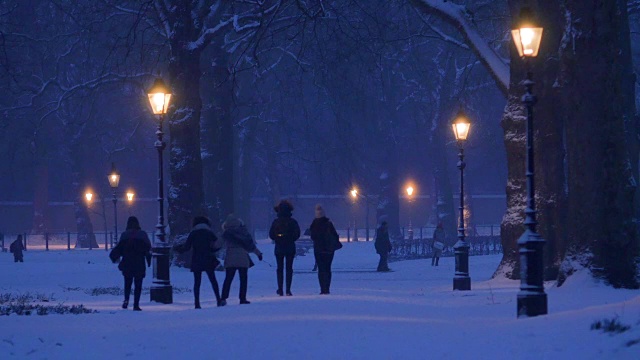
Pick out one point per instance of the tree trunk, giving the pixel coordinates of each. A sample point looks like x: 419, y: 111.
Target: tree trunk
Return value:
x: 548, y: 145
x: 218, y: 141
x: 186, y: 194
x: 41, y: 199
x: 601, y: 228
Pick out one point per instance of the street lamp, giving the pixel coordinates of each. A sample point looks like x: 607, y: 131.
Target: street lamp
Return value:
x: 114, y: 180
x: 410, y: 191
x: 532, y: 300
x: 461, y: 279
x: 161, y: 289
x: 130, y: 196
x: 89, y: 196
x: 355, y: 193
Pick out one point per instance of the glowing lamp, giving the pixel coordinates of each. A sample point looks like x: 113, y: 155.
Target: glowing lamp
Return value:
x: 528, y: 35
x: 159, y: 97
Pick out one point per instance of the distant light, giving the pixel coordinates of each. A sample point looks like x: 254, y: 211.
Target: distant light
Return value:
x: 130, y: 196
x: 410, y: 190
x: 88, y: 196
x: 354, y: 193
x: 114, y: 177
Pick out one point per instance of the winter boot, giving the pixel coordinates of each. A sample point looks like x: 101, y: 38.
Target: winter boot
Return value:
x: 289, y: 281
x: 125, y: 304
x: 280, y: 281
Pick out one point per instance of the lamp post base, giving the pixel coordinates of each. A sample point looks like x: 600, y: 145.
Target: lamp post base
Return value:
x: 531, y: 304
x: 462, y: 283
x: 461, y: 279
x: 161, y: 290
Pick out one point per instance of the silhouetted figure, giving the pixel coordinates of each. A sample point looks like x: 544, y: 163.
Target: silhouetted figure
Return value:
x: 204, y: 244
x: 16, y: 249
x: 325, y: 242
x: 238, y: 243
x: 438, y: 244
x: 383, y: 246
x: 284, y: 232
x: 134, y: 247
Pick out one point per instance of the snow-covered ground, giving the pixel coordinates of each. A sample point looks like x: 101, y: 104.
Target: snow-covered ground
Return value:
x: 410, y: 313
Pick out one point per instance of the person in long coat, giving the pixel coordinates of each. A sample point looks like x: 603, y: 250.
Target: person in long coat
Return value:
x: 284, y: 231
x: 204, y: 244
x: 437, y: 243
x: 325, y: 243
x: 383, y: 246
x: 134, y: 247
x: 238, y: 244
x: 16, y: 249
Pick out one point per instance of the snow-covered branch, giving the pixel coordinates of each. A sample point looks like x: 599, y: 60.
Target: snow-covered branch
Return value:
x: 457, y: 16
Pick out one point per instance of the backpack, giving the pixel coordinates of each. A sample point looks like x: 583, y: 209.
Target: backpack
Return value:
x: 281, y: 229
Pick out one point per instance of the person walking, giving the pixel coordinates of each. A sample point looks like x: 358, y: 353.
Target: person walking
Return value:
x: 204, y: 244
x: 383, y: 246
x: 284, y: 232
x: 238, y: 244
x: 16, y: 249
x: 438, y: 244
x: 325, y: 242
x: 134, y: 247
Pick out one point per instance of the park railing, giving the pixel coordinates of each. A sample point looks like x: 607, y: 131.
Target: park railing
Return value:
x: 62, y: 241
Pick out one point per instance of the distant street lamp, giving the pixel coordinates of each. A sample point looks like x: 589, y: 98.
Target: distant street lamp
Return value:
x: 89, y: 196
x: 161, y: 289
x: 410, y: 191
x: 130, y: 196
x: 461, y: 279
x: 355, y: 193
x: 532, y: 300
x: 114, y: 180
x: 354, y: 196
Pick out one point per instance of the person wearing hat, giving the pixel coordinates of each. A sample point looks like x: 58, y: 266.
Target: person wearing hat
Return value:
x: 383, y: 245
x: 238, y: 244
x: 284, y: 231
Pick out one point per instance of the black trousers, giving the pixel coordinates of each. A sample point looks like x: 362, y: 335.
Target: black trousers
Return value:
x: 231, y: 273
x: 383, y: 264
x: 280, y: 261
x: 197, y: 280
x: 324, y: 261
x: 128, y: 281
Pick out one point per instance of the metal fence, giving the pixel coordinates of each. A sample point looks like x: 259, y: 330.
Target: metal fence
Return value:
x: 61, y: 241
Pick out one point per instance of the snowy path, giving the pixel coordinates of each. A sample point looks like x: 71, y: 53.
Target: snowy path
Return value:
x: 410, y: 313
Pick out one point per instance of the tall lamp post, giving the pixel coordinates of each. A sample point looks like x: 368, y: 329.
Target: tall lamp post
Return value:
x: 532, y: 300
x: 355, y: 194
x: 114, y: 180
x: 161, y: 289
x: 461, y: 279
x: 410, y: 191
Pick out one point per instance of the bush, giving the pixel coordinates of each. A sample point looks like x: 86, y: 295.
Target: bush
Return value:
x: 613, y: 326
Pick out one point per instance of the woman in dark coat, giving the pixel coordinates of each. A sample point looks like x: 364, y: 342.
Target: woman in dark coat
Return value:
x: 238, y: 244
x: 204, y: 244
x: 383, y: 245
x: 284, y: 232
x: 325, y: 242
x: 134, y: 247
x: 16, y: 248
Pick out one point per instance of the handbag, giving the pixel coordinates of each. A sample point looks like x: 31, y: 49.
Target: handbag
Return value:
x: 438, y: 245
x: 333, y: 240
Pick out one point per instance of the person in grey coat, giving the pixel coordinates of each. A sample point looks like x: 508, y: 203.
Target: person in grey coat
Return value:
x: 437, y: 244
x: 238, y: 244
